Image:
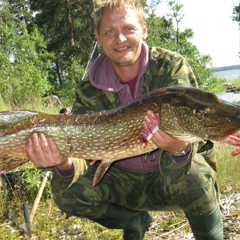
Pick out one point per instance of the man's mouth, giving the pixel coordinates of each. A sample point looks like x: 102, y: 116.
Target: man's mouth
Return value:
x: 121, y: 49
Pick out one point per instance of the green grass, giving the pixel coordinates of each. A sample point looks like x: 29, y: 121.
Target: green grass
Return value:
x: 217, y: 85
x: 228, y: 168
x: 35, y: 105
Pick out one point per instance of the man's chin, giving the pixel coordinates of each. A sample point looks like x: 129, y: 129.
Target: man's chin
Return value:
x: 126, y: 63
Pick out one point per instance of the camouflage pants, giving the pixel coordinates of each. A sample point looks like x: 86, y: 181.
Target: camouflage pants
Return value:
x: 121, y: 195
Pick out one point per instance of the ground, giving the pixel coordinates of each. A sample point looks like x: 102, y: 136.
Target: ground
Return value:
x: 181, y: 230
x: 50, y: 223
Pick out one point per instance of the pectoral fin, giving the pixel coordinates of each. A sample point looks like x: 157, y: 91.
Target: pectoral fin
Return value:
x: 101, y: 170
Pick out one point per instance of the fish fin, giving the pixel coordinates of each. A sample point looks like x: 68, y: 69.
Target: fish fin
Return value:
x: 101, y: 170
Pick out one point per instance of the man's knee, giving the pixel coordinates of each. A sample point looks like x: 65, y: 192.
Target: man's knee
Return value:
x: 200, y: 200
x: 197, y: 190
x: 79, y: 199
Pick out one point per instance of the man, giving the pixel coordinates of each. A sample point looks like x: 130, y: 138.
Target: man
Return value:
x: 175, y: 176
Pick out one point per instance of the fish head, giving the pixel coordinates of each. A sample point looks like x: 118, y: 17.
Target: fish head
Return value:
x: 205, y: 116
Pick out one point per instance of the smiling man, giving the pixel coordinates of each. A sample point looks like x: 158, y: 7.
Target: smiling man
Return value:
x: 175, y: 176
x: 121, y: 37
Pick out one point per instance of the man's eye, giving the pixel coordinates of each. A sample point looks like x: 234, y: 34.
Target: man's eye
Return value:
x: 110, y: 32
x: 129, y: 29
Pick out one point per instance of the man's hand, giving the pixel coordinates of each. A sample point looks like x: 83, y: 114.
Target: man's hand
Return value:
x: 44, y: 152
x: 161, y: 139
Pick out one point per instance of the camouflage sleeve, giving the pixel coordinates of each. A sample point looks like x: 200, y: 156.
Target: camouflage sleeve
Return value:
x: 80, y: 167
x: 84, y: 98
x: 167, y: 68
x: 89, y: 99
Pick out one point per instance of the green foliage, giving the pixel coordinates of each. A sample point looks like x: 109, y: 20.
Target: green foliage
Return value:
x: 31, y: 179
x: 236, y: 17
x: 3, y: 105
x: 67, y: 29
x: 152, y: 5
x: 228, y: 169
x: 161, y: 32
x: 67, y: 90
x: 3, y: 200
x: 47, y: 52
x: 218, y: 85
x: 25, y: 64
x: 236, y: 13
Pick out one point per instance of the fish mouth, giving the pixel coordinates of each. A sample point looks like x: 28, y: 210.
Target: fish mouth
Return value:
x: 233, y: 139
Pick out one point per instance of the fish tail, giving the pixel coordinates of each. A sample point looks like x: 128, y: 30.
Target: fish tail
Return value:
x: 101, y: 170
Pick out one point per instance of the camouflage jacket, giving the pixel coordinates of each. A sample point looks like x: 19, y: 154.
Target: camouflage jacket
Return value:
x: 165, y: 68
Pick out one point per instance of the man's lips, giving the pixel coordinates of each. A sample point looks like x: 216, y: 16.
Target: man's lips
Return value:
x: 121, y: 49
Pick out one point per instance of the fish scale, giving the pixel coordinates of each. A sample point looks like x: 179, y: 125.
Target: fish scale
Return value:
x: 188, y: 114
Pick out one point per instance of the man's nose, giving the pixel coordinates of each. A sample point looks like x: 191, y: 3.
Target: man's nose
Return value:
x: 120, y: 36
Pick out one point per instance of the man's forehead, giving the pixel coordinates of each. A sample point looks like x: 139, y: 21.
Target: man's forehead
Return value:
x: 129, y: 14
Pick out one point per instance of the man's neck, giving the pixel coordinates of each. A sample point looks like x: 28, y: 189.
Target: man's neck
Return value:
x: 126, y: 74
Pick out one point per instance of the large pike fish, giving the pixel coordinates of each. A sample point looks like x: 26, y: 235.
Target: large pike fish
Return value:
x: 188, y: 114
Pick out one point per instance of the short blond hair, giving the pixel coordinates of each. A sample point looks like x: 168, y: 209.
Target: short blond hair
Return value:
x: 102, y: 6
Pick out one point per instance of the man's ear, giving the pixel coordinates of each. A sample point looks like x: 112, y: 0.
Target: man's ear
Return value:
x: 145, y: 31
x: 97, y: 38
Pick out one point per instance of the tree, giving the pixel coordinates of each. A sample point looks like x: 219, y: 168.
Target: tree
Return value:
x: 20, y: 10
x: 236, y: 14
x: 236, y: 17
x: 177, y: 15
x: 162, y: 32
x: 24, y: 61
x: 66, y: 27
x: 58, y: 37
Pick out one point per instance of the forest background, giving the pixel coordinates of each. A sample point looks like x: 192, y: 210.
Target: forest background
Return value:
x: 45, y: 47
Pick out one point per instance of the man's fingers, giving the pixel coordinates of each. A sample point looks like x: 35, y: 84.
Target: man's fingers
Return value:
x: 93, y: 162
x: 44, y: 145
x: 29, y: 148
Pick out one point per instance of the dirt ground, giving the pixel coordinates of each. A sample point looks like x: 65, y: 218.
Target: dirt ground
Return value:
x: 181, y: 230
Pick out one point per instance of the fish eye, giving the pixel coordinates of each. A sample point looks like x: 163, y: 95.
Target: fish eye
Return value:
x: 199, y: 113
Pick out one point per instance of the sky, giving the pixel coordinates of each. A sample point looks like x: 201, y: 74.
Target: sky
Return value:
x: 215, y: 33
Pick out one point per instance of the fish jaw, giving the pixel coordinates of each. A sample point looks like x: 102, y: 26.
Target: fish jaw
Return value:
x: 233, y: 139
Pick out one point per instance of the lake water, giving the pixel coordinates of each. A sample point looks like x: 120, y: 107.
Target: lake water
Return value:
x: 229, y: 96
x: 228, y: 74
x: 231, y: 74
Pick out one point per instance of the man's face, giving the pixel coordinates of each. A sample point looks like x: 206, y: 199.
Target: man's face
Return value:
x: 121, y: 36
